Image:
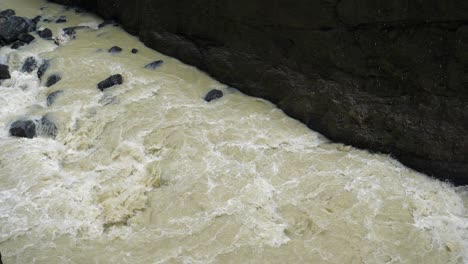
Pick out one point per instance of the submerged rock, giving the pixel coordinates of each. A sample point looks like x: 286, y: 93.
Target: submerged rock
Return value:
x: 111, y: 81
x: 23, y: 128
x: 71, y: 31
x: 134, y: 51
x: 4, y: 72
x: 115, y: 49
x: 153, y: 65
x: 213, y: 94
x: 43, y: 68
x: 46, y: 127
x: 29, y: 65
x: 108, y: 22
x: 45, y: 34
x: 52, y: 96
x: 53, y: 79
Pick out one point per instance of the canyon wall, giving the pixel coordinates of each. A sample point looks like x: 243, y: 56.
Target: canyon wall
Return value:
x: 389, y: 76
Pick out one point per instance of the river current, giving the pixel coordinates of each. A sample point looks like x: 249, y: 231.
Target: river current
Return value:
x: 149, y: 172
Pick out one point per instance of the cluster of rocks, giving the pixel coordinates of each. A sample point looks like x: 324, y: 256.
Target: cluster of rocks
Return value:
x: 16, y: 30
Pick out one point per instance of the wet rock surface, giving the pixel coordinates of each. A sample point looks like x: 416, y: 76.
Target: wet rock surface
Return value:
x: 53, y: 79
x: 115, y: 49
x: 51, y: 97
x: 153, y: 65
x: 30, y: 64
x: 213, y: 94
x: 4, y: 72
x: 109, y: 82
x: 43, y: 68
x: 11, y: 27
x: 45, y: 34
x: 389, y: 76
x: 23, y: 128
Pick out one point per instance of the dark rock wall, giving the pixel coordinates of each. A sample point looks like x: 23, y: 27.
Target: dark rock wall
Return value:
x: 390, y: 76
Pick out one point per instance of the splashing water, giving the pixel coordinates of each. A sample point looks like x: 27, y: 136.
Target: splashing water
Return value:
x: 149, y: 172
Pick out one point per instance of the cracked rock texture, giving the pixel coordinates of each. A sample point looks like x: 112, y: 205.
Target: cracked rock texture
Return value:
x: 389, y: 76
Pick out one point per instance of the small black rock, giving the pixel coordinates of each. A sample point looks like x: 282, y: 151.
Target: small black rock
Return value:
x: 213, y: 94
x: 23, y: 128
x: 134, y: 51
x: 115, y: 49
x: 43, y: 68
x: 61, y: 19
x: 71, y: 31
x: 53, y: 79
x: 29, y: 65
x: 47, y: 20
x: 111, y: 81
x: 7, y: 13
x: 4, y: 72
x: 153, y: 65
x: 45, y: 34
x: 52, y: 96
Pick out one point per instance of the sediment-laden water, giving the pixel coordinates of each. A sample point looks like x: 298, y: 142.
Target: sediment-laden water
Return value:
x: 149, y: 172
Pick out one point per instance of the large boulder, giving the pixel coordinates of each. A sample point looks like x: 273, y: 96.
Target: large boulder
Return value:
x: 12, y: 27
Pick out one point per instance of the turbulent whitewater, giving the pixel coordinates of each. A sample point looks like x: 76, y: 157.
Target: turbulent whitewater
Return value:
x: 149, y: 172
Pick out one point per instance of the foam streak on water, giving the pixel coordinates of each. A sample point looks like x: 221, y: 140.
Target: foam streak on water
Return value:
x: 148, y: 172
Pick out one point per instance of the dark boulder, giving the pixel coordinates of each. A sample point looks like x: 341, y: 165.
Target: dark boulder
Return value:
x: 23, y: 128
x: 46, y: 127
x: 4, y: 72
x: 153, y: 65
x: 61, y: 19
x: 17, y: 44
x: 45, y: 34
x: 111, y: 81
x: 213, y: 94
x: 134, y: 51
x: 30, y: 64
x: 12, y: 27
x: 53, y: 79
x: 8, y: 13
x: 43, y: 68
x: 47, y: 20
x: 115, y: 49
x: 51, y: 97
x: 26, y: 38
